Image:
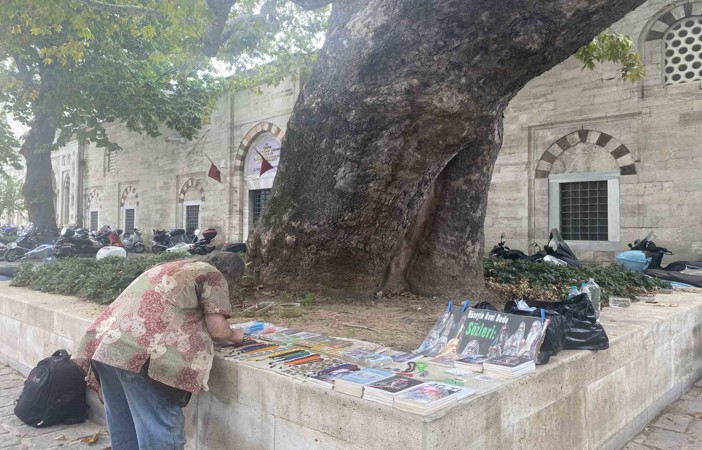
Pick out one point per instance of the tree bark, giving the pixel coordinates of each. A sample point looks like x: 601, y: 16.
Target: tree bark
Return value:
x: 387, y: 157
x: 38, y: 190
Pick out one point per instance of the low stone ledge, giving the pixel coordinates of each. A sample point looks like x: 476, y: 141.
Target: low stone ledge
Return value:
x: 583, y: 400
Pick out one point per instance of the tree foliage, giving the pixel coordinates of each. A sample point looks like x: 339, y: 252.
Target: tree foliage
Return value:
x: 8, y: 148
x: 613, y: 47
x: 10, y: 196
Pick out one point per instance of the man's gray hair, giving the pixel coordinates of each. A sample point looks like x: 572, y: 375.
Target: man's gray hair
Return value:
x: 229, y: 263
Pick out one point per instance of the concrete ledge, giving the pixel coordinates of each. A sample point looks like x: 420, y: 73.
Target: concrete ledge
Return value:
x: 580, y: 400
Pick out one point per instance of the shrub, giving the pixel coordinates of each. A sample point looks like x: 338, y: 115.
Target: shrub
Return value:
x: 543, y: 281
x: 100, y: 281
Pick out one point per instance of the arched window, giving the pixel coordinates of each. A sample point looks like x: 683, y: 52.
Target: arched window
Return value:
x: 682, y: 51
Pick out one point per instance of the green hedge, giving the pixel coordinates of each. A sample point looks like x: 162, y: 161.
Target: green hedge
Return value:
x: 100, y: 281
x: 523, y: 279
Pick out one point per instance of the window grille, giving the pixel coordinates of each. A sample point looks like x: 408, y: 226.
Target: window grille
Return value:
x: 129, y: 220
x: 111, y: 160
x: 192, y: 217
x: 94, y: 220
x: 682, y: 51
x: 259, y: 199
x: 584, y: 211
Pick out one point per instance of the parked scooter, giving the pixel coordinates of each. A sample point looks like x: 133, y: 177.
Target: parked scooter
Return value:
x: 163, y: 240
x: 646, y: 256
x: 556, y: 251
x: 28, y: 240
x: 133, y: 242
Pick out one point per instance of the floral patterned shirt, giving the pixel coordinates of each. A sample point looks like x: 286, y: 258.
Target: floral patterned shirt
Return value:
x: 160, y: 317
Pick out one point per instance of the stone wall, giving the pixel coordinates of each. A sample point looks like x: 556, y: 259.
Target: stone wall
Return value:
x: 654, y: 134
x: 580, y: 400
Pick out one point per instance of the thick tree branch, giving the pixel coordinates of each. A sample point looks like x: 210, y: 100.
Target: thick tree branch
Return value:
x: 312, y: 4
x: 121, y: 9
x: 24, y: 75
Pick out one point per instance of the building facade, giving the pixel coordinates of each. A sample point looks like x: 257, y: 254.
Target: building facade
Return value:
x: 607, y: 161
x: 163, y: 183
x: 603, y: 160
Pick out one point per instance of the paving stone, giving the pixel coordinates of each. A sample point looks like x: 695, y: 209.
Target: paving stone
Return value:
x: 674, y: 422
x: 635, y: 446
x: 666, y: 440
x: 14, y: 434
x: 7, y: 440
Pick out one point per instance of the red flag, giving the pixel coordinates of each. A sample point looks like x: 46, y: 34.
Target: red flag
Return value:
x: 214, y: 173
x: 265, y: 165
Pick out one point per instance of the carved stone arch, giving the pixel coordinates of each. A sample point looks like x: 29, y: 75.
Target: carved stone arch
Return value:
x: 658, y: 24
x: 254, y: 132
x: 94, y: 200
x: 191, y: 183
x: 619, y: 151
x: 129, y: 191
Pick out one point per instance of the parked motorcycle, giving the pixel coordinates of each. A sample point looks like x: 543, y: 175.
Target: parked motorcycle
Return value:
x: 202, y: 246
x: 556, y: 251
x: 133, y: 242
x: 76, y: 243
x: 163, y: 240
x: 28, y: 240
x: 644, y: 255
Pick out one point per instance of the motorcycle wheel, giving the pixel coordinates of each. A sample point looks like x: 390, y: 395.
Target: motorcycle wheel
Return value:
x: 157, y: 249
x: 12, y: 255
x: 139, y: 248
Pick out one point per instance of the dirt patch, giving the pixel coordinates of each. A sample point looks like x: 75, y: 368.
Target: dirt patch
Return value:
x: 400, y: 321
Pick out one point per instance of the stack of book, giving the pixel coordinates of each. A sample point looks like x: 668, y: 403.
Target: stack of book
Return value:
x: 431, y: 397
x: 327, y: 377
x: 473, y: 363
x: 508, y: 366
x: 385, y: 391
x: 353, y: 383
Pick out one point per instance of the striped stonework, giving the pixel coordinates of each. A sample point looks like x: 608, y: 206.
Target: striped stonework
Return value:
x: 619, y: 151
x: 192, y: 182
x: 669, y: 16
x: 130, y: 190
x: 254, y: 132
x: 94, y: 200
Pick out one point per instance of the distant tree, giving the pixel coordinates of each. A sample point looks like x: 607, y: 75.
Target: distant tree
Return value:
x: 11, y: 201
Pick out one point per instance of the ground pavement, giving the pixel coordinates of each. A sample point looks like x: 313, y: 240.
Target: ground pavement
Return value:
x: 15, y: 434
x: 678, y: 427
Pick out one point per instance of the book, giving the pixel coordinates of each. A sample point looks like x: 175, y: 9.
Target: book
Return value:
x: 473, y: 362
x: 366, y: 358
x: 431, y: 397
x: 384, y: 391
x: 326, y: 378
x: 509, y: 366
x: 353, y: 383
x: 443, y: 331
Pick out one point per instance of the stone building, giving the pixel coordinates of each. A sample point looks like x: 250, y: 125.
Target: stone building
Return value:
x: 604, y: 160
x: 163, y: 183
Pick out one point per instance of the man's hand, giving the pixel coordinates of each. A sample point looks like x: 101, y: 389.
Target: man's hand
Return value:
x: 237, y: 335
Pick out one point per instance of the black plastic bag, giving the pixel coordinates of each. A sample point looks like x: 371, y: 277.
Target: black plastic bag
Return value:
x: 582, y: 332
x: 485, y: 305
x: 555, y: 337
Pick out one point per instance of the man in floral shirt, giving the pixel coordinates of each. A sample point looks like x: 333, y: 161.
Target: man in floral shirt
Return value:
x: 152, y: 348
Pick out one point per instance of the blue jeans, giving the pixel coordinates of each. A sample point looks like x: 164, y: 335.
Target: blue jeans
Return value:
x: 139, y: 415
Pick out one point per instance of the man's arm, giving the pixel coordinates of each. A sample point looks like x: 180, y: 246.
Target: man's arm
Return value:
x: 219, y: 329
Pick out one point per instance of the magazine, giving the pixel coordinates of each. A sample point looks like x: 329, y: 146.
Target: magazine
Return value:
x: 430, y: 397
x: 353, y: 383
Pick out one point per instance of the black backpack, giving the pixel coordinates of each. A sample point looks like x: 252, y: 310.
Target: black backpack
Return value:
x: 54, y: 393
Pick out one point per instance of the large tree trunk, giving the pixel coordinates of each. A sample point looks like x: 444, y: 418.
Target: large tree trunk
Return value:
x: 389, y: 152
x: 38, y: 190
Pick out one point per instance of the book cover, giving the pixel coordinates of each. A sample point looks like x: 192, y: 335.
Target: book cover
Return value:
x: 430, y: 392
x: 395, y: 384
x: 509, y: 361
x: 366, y: 376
